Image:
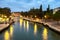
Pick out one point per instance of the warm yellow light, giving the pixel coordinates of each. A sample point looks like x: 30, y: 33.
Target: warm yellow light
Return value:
x: 45, y: 36
x: 11, y: 30
x: 35, y: 29
x: 21, y: 21
x: 6, y: 36
x: 0, y: 18
x: 7, y: 19
x: 3, y: 19
x: 27, y: 25
x: 45, y: 16
x: 20, y: 16
x: 37, y: 19
x: 5, y: 16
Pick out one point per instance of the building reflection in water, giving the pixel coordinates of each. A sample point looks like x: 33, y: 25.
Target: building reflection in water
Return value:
x: 11, y: 30
x: 45, y: 36
x: 27, y: 26
x: 21, y: 21
x: 35, y: 29
x: 6, y: 36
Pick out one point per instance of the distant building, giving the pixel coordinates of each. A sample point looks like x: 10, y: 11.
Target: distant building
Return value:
x: 16, y: 14
x: 55, y: 10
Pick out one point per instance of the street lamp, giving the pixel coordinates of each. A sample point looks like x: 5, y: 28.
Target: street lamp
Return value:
x: 35, y: 16
x: 45, y: 17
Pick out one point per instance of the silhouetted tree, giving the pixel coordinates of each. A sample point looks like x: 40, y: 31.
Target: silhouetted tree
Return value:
x: 41, y: 12
x: 5, y: 11
x: 49, y: 12
x: 41, y: 8
x: 48, y: 9
x: 56, y: 16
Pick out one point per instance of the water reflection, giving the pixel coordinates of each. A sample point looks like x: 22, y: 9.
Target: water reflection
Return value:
x: 11, y: 30
x: 45, y: 36
x: 21, y: 21
x: 35, y: 29
x: 6, y: 36
x: 34, y: 32
x: 24, y: 24
x: 27, y: 26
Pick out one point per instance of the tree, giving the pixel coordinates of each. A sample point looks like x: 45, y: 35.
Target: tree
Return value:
x: 48, y: 9
x: 41, y: 12
x: 5, y: 11
x: 56, y: 16
x: 41, y: 8
x: 49, y: 12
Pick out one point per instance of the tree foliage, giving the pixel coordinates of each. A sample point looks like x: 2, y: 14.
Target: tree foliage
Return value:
x: 35, y: 12
x: 56, y: 16
x: 38, y: 12
x: 5, y: 11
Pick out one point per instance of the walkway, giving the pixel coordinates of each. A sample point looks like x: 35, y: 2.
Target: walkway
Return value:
x: 3, y: 26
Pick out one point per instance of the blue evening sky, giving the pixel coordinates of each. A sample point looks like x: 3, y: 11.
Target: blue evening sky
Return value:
x: 25, y: 5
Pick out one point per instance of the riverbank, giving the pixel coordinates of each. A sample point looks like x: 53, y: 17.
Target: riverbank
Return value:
x: 4, y: 26
x: 50, y: 24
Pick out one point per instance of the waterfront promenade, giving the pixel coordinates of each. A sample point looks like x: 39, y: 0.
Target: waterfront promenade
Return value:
x: 51, y: 24
x: 5, y: 25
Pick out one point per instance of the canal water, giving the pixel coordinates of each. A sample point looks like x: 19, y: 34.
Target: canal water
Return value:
x: 25, y: 30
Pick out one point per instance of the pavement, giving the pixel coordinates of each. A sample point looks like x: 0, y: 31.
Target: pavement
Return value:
x: 3, y: 26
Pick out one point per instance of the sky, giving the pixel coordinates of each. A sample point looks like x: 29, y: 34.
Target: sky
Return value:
x: 26, y: 5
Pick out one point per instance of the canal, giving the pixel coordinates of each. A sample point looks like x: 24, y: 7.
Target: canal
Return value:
x: 25, y: 30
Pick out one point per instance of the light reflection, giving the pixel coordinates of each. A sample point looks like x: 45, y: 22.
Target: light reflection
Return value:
x: 35, y: 28
x: 27, y: 26
x: 21, y: 21
x: 24, y: 24
x: 6, y: 36
x: 45, y: 36
x: 11, y: 30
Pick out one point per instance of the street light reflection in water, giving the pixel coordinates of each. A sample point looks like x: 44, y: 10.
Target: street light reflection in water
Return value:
x: 21, y: 21
x: 29, y: 31
x: 6, y: 36
x: 11, y: 30
x: 35, y: 29
x: 45, y: 34
x: 27, y: 26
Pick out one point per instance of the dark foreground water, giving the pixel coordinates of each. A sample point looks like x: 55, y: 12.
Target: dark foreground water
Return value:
x: 25, y: 30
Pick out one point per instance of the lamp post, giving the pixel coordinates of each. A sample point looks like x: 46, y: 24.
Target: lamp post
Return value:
x: 45, y: 17
x: 35, y: 17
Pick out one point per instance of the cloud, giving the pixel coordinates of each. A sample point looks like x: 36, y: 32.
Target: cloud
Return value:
x: 25, y: 5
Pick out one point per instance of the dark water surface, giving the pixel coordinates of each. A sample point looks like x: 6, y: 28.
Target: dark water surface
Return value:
x: 25, y: 30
